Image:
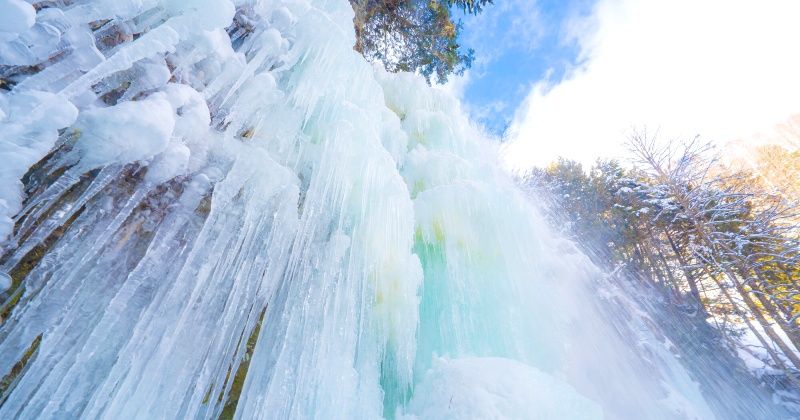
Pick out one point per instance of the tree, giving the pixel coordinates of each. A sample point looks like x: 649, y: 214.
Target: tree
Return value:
x: 714, y: 243
x: 414, y: 35
x: 728, y: 234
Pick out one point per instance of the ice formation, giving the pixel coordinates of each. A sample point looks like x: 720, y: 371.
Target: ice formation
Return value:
x: 230, y: 205
x: 496, y: 388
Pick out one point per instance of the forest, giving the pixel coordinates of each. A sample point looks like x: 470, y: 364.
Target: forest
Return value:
x: 718, y: 240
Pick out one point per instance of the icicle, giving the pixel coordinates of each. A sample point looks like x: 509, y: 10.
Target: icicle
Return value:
x: 244, y: 217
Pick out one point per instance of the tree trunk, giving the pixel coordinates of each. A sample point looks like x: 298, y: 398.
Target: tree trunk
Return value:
x: 778, y: 361
x: 690, y: 279
x: 655, y: 272
x: 751, y: 303
x: 668, y: 271
x: 778, y: 316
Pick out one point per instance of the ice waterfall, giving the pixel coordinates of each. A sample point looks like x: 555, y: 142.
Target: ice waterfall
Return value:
x: 216, y: 208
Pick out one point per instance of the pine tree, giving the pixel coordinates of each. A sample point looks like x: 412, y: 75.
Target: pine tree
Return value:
x: 414, y: 35
x: 714, y: 243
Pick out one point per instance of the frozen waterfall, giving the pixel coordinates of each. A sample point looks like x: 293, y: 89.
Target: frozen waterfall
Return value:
x: 216, y: 208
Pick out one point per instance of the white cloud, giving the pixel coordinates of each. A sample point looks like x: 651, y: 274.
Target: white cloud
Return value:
x: 724, y: 69
x: 505, y: 25
x: 456, y: 84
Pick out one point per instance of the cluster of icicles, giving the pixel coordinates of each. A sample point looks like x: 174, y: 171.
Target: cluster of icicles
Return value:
x: 216, y: 208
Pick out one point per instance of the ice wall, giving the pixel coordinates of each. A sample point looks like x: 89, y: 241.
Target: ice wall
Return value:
x: 226, y: 187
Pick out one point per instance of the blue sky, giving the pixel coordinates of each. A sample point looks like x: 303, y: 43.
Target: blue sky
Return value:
x: 574, y: 78
x: 517, y: 43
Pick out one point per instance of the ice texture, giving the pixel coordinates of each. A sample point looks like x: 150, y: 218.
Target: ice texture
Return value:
x: 126, y: 132
x: 212, y: 168
x: 496, y: 388
x: 29, y: 124
x: 16, y: 16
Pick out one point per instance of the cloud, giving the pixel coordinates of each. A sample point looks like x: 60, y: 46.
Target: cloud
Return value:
x: 456, y: 84
x: 503, y: 26
x: 723, y: 69
x: 504, y: 36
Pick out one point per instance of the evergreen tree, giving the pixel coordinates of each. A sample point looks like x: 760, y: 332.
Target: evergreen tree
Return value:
x: 414, y: 35
x: 711, y: 241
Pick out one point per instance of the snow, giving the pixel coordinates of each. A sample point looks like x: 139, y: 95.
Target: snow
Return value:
x: 123, y: 133
x: 16, y: 16
x: 496, y: 388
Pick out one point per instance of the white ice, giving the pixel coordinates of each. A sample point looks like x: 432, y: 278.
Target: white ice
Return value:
x: 218, y: 165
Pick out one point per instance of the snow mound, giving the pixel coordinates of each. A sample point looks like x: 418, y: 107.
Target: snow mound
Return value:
x: 496, y: 388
